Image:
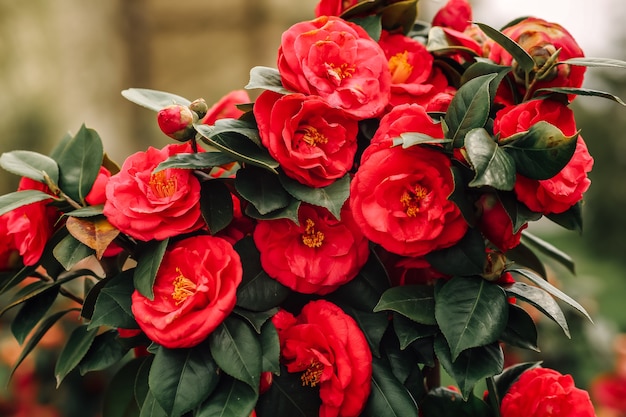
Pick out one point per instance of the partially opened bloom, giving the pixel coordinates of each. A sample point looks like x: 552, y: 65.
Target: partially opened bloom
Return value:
x: 329, y: 349
x: 194, y: 291
x: 317, y: 255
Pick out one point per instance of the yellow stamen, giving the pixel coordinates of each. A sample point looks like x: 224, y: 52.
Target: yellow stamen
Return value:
x: 161, y: 185
x: 311, y: 237
x: 337, y: 73
x: 312, y: 136
x: 410, y: 200
x: 183, y: 287
x: 400, y: 68
x: 311, y: 377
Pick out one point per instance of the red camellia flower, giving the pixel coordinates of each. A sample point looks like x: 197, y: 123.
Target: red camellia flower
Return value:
x: 316, y: 256
x: 559, y: 193
x: 314, y: 143
x: 496, y: 225
x: 456, y: 14
x: 226, y: 107
x: 147, y: 205
x: 330, y: 350
x: 338, y: 61
x: 333, y: 7
x: 541, y: 392
x: 194, y: 291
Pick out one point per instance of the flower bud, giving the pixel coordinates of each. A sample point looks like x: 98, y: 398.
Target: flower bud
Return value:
x: 177, y: 121
x: 200, y: 107
x: 456, y: 14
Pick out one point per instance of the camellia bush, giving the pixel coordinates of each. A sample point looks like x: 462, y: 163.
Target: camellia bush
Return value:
x: 333, y: 247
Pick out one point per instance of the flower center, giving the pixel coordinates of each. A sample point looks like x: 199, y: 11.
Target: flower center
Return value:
x: 411, y: 200
x: 336, y: 73
x: 311, y: 237
x: 161, y: 185
x: 400, y: 68
x: 312, y: 137
x: 183, y: 287
x: 311, y: 377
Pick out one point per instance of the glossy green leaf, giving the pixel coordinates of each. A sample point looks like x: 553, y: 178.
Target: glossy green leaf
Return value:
x: 461, y: 196
x: 257, y: 291
x: 373, y: 326
x: 523, y: 58
x: 399, y: 15
x: 236, y: 348
x: 153, y: 99
x: 409, y: 331
x: 150, y: 407
x: 181, y: 379
x: 595, y: 62
x: 290, y: 212
x: 444, y: 402
x: 232, y: 398
x: 141, y: 388
x: 466, y: 257
x: 332, y: 197
x: 493, y: 166
x: 372, y: 24
x: 469, y: 109
x: 288, y: 397
x: 524, y: 256
x: 361, y: 8
x: 216, y: 205
x: 70, y: 251
x: 147, y: 267
x: 267, y: 79
x: 242, y: 127
x: 416, y: 302
x: 85, y: 212
x: 571, y: 219
x: 483, y: 68
x: 388, y: 397
x: 31, y: 165
x: 471, y: 312
x: 472, y: 365
x: 549, y: 250
x: 75, y: 349
x: 16, y: 199
x: 79, y: 159
x: 520, y: 330
x: 262, y: 189
x: 517, y: 211
x: 409, y: 139
x: 32, y: 311
x: 119, y: 397
x: 201, y: 160
x: 581, y: 92
x: 254, y: 318
x: 113, y: 303
x: 271, y: 348
x: 510, y: 375
x: 541, y: 300
x: 105, y: 351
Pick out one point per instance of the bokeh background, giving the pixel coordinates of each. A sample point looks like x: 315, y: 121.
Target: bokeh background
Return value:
x: 64, y: 62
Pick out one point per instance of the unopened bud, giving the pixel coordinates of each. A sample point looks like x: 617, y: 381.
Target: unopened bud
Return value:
x: 200, y: 107
x: 177, y: 121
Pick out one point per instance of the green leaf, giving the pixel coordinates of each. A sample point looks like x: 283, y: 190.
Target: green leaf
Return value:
x: 466, y: 257
x: 147, y: 267
x: 595, y: 62
x: 516, y: 210
x: 288, y: 397
x: 237, y: 351
x: 416, y: 302
x: 16, y: 199
x: 32, y: 311
x: 332, y: 197
x: 255, y: 319
x: 469, y: 109
x: 141, y: 388
x: 510, y: 375
x: 525, y: 256
x: 399, y: 15
x: 257, y: 291
x: 472, y: 365
x: 79, y: 159
x: 373, y: 326
x: 242, y: 127
x: 216, y: 205
x: 580, y: 92
x: 69, y: 251
x: 541, y: 300
x: 30, y: 164
x: 520, y: 330
x: 201, y: 160
x: 262, y: 189
x: 571, y: 219
x: 388, y: 397
x: 105, y: 351
x: 290, y: 212
x: 461, y: 196
x: 150, y: 407
x: 409, y: 139
x: 232, y: 398
x: 267, y: 79
x: 89, y: 211
x: 372, y: 24
x: 494, y: 167
x: 73, y: 352
x: 471, y: 312
x: 113, y: 303
x: 119, y: 397
x: 549, y: 250
x: 271, y: 348
x: 524, y: 60
x: 444, y: 402
x: 181, y: 379
x: 153, y: 99
x: 409, y: 331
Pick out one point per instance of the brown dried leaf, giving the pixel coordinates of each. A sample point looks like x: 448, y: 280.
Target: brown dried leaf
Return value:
x: 94, y: 232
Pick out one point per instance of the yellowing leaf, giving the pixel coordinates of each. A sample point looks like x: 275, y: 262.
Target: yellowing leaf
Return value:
x: 96, y: 233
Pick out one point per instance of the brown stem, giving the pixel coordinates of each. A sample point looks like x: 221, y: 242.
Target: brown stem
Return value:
x: 433, y: 376
x: 71, y: 296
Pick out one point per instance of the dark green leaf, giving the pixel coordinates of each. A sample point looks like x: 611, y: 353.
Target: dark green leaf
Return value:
x: 466, y: 257
x: 472, y: 365
x: 409, y: 139
x: 520, y: 331
x: 541, y: 300
x: 399, y: 15
x: 483, y: 68
x: 73, y: 352
x: 216, y: 205
x: 201, y: 160
x: 30, y: 164
x: 141, y: 388
x: 549, y: 250
x: 388, y: 397
x: 595, y: 62
x: 153, y: 99
x: 271, y: 348
x: 580, y: 92
x: 523, y: 255
x: 262, y: 189
x: 511, y: 374
x: 460, y: 196
x: 105, y: 351
x: 247, y: 129
x: 471, y: 312
x: 469, y: 109
x: 237, y: 351
x: 287, y: 396
x: 267, y: 79
x: 332, y: 197
x: 254, y: 318
x: 571, y: 219
x: 150, y: 407
x: 524, y: 60
x: 290, y: 212
x: 409, y: 331
x: 494, y: 167
x: 147, y: 268
x: 70, y: 251
x: 119, y: 397
x: 232, y: 398
x: 372, y: 25
x: 444, y: 402
x: 79, y: 160
x: 16, y: 199
x: 89, y: 211
x: 416, y: 302
x: 373, y: 326
x: 181, y: 379
x: 32, y: 311
x: 113, y: 303
x: 517, y: 211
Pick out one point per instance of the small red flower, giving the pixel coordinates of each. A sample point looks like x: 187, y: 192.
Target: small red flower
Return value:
x: 329, y: 349
x: 176, y: 121
x: 496, y: 225
x: 456, y: 14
